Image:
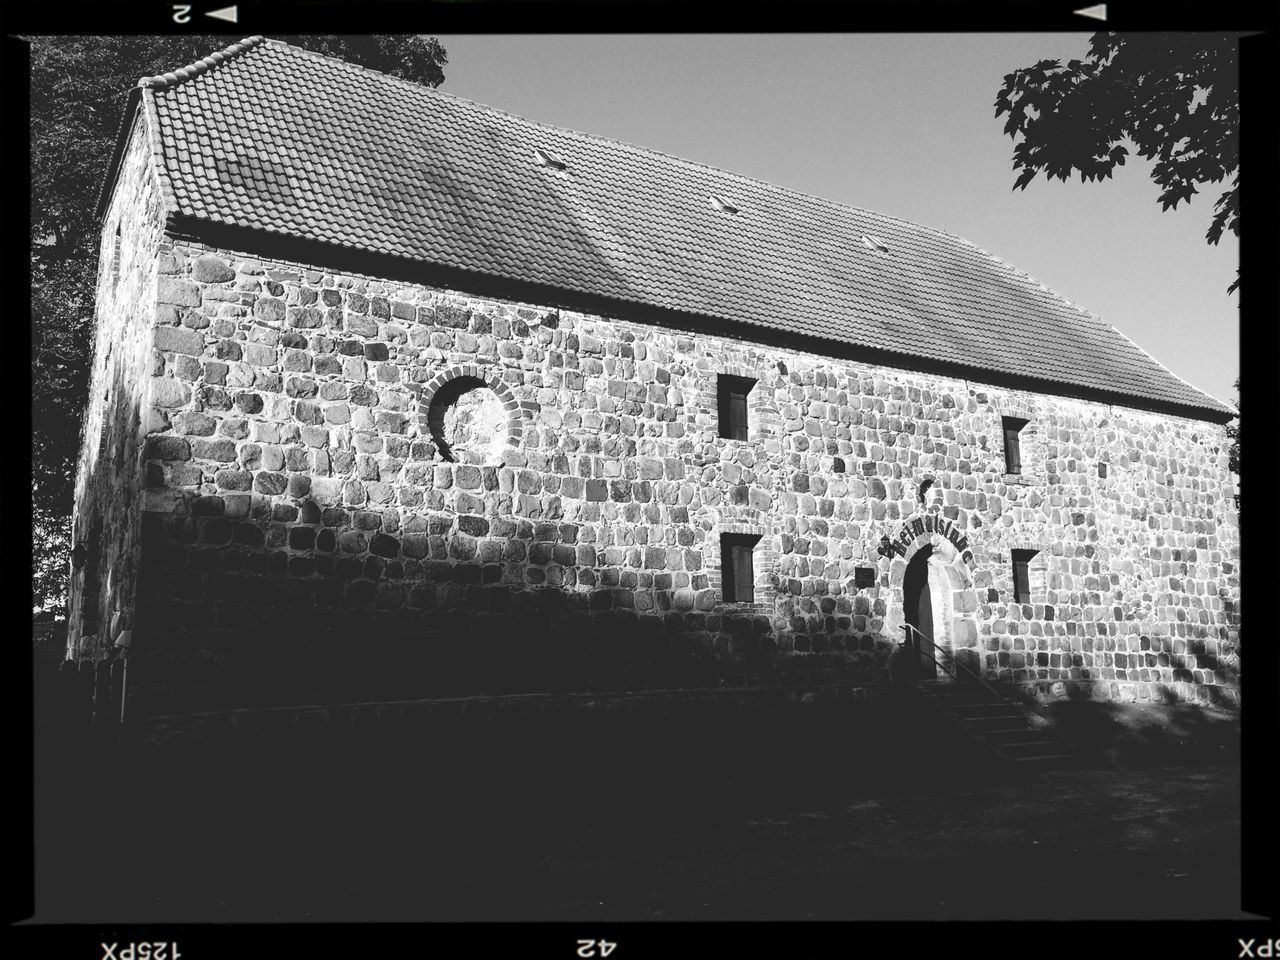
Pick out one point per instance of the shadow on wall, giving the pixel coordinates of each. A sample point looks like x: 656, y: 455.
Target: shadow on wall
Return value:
x: 319, y: 604
x: 103, y: 575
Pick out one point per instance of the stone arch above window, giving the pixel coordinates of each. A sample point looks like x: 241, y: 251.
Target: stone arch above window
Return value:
x: 471, y: 415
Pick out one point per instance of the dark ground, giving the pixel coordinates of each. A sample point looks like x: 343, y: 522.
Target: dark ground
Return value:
x: 830, y: 816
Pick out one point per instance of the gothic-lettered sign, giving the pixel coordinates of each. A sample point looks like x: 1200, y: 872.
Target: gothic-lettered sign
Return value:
x: 916, y: 527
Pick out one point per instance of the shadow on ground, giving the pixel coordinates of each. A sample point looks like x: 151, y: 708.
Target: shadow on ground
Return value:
x: 818, y: 813
x: 1146, y: 734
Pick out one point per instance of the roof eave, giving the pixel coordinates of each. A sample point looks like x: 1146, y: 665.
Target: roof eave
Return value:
x: 108, y: 187
x: 142, y: 94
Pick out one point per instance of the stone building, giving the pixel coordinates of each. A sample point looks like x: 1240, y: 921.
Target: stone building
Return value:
x: 400, y: 397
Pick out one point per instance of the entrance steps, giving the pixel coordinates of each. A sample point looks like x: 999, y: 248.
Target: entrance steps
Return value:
x: 999, y: 723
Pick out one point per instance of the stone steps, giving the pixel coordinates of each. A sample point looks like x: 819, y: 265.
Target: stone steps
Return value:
x: 998, y: 723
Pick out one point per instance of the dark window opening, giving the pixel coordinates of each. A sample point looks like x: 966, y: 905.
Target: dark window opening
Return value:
x: 737, y: 569
x: 1012, y: 444
x: 731, y: 392
x: 1022, y: 575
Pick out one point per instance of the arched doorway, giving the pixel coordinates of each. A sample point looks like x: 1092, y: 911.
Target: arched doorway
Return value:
x: 918, y: 609
x: 933, y: 591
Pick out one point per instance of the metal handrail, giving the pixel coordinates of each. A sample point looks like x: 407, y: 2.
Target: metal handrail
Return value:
x: 956, y: 663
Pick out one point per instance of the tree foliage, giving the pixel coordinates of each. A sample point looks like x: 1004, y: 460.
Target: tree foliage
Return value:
x: 1174, y: 96
x: 78, y: 91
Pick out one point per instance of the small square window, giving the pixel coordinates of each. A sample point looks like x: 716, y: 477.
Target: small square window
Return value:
x: 731, y: 393
x: 1012, y: 444
x: 1022, y: 575
x: 737, y: 569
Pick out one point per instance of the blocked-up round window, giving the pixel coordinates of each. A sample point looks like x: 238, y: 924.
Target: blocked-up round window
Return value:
x: 468, y: 422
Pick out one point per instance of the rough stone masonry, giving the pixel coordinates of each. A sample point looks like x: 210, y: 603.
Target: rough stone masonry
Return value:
x: 300, y: 485
x: 302, y: 538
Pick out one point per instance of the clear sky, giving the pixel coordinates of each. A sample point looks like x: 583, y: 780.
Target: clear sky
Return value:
x: 902, y: 124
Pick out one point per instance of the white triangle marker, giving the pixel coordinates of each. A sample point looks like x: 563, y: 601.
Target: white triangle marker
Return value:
x: 1098, y: 11
x: 231, y: 16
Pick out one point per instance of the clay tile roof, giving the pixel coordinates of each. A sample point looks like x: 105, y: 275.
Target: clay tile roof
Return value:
x: 269, y: 135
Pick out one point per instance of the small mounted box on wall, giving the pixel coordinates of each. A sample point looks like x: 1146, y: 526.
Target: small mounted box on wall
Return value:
x: 864, y: 577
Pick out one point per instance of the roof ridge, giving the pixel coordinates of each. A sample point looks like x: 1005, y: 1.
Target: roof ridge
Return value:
x: 433, y: 91
x: 174, y: 77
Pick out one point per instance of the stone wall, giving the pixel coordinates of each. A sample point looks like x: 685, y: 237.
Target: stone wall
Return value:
x: 108, y: 491
x: 306, y: 540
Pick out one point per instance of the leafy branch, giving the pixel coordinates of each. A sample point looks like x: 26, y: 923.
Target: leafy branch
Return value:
x: 1173, y: 97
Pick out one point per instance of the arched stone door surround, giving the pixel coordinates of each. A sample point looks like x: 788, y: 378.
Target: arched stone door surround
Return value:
x: 952, y: 599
